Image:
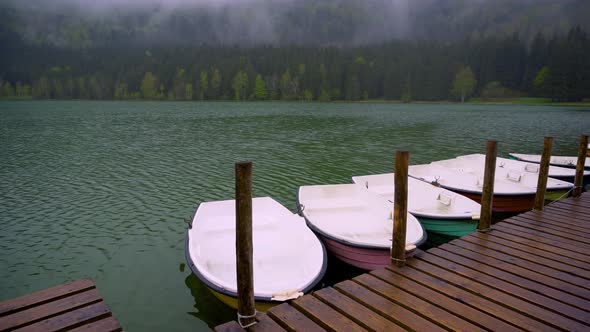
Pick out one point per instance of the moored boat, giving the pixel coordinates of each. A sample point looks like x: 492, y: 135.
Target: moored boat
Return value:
x: 556, y: 172
x: 355, y: 224
x: 514, y: 191
x: 561, y: 161
x: 442, y: 212
x: 288, y: 258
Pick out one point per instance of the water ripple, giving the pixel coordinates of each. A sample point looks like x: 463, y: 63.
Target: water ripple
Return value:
x: 100, y: 189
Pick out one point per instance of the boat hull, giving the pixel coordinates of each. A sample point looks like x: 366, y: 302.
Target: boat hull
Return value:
x: 261, y: 306
x: 453, y: 228
x: 363, y: 258
x: 515, y: 203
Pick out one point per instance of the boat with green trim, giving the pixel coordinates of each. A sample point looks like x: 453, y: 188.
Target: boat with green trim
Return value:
x: 444, y: 214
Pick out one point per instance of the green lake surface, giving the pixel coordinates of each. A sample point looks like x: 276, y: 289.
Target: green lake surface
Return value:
x: 101, y: 189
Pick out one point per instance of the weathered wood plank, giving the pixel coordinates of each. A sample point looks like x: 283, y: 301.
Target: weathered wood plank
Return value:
x: 109, y: 324
x: 356, y: 311
x: 324, y: 315
x: 564, y: 242
x: 545, y: 224
x: 540, y: 244
x: 70, y: 319
x: 528, y: 270
x: 510, y: 284
x: 572, y: 250
x: 291, y: 319
x: 557, y: 220
x: 451, y: 253
x: 519, y: 248
x: 457, y: 302
x: 42, y: 311
x: 232, y: 326
x: 386, y: 308
x: 265, y: 323
x: 510, y: 301
x: 20, y: 303
x: 474, y: 300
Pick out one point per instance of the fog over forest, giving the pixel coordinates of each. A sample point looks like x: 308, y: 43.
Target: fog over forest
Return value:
x: 294, y: 49
x: 85, y: 23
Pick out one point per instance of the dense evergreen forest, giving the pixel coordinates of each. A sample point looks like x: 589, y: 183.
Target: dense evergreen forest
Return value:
x: 324, y: 51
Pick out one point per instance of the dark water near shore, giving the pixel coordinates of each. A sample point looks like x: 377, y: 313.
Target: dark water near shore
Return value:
x: 100, y: 189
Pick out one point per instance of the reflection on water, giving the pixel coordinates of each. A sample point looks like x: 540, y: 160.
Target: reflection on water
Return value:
x: 100, y: 189
x: 207, y: 307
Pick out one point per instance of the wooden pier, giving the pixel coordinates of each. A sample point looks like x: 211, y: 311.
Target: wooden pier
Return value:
x: 530, y: 272
x: 75, y: 306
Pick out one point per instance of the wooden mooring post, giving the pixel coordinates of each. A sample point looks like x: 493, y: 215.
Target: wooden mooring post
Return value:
x: 543, y: 174
x: 487, y: 194
x: 582, y: 148
x: 400, y: 209
x: 244, y: 248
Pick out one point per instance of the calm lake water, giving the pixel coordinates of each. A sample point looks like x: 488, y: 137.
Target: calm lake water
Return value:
x: 100, y: 189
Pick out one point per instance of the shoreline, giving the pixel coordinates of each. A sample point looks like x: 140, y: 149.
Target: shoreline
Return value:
x: 515, y: 102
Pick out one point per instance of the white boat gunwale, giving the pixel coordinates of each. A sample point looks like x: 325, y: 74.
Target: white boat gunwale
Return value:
x: 433, y: 216
x: 479, y: 192
x: 348, y: 243
x: 222, y: 290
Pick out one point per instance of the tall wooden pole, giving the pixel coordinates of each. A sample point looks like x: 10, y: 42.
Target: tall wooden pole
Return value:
x: 543, y: 174
x: 487, y: 194
x: 244, y: 251
x: 580, y: 166
x: 400, y: 209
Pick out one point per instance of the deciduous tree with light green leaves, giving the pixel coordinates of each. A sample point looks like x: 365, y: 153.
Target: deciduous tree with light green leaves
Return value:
x: 239, y: 85
x: 188, y: 93
x: 541, y: 81
x: 464, y: 83
x: 148, y: 86
x: 260, y: 92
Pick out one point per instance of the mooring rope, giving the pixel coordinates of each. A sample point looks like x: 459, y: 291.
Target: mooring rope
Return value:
x: 240, y: 317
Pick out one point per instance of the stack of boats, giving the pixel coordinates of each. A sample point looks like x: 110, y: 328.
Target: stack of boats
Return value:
x: 354, y: 222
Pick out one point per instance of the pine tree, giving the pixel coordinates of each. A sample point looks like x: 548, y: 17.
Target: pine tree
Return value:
x: 260, y: 92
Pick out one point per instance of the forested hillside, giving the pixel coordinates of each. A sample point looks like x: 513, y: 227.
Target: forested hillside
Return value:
x: 296, y: 50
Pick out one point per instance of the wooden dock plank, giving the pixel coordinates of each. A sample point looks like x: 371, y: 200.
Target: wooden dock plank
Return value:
x: 291, y: 319
x: 109, y: 324
x: 232, y: 326
x: 458, y: 302
x: 43, y: 296
x: 386, y: 308
x: 355, y: 311
x: 448, y: 316
x: 553, y: 221
x: 484, y: 291
x: 40, y: 312
x: 526, y: 268
x: 531, y: 272
x: 534, y: 255
x: 506, y: 253
x: 564, y: 242
x: 513, y: 277
x: 543, y: 238
x: 324, y: 315
x: 542, y: 226
x: 568, y: 217
x: 507, y: 283
x: 475, y: 300
x: 265, y: 323
x: 71, y: 319
x: 539, y: 243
